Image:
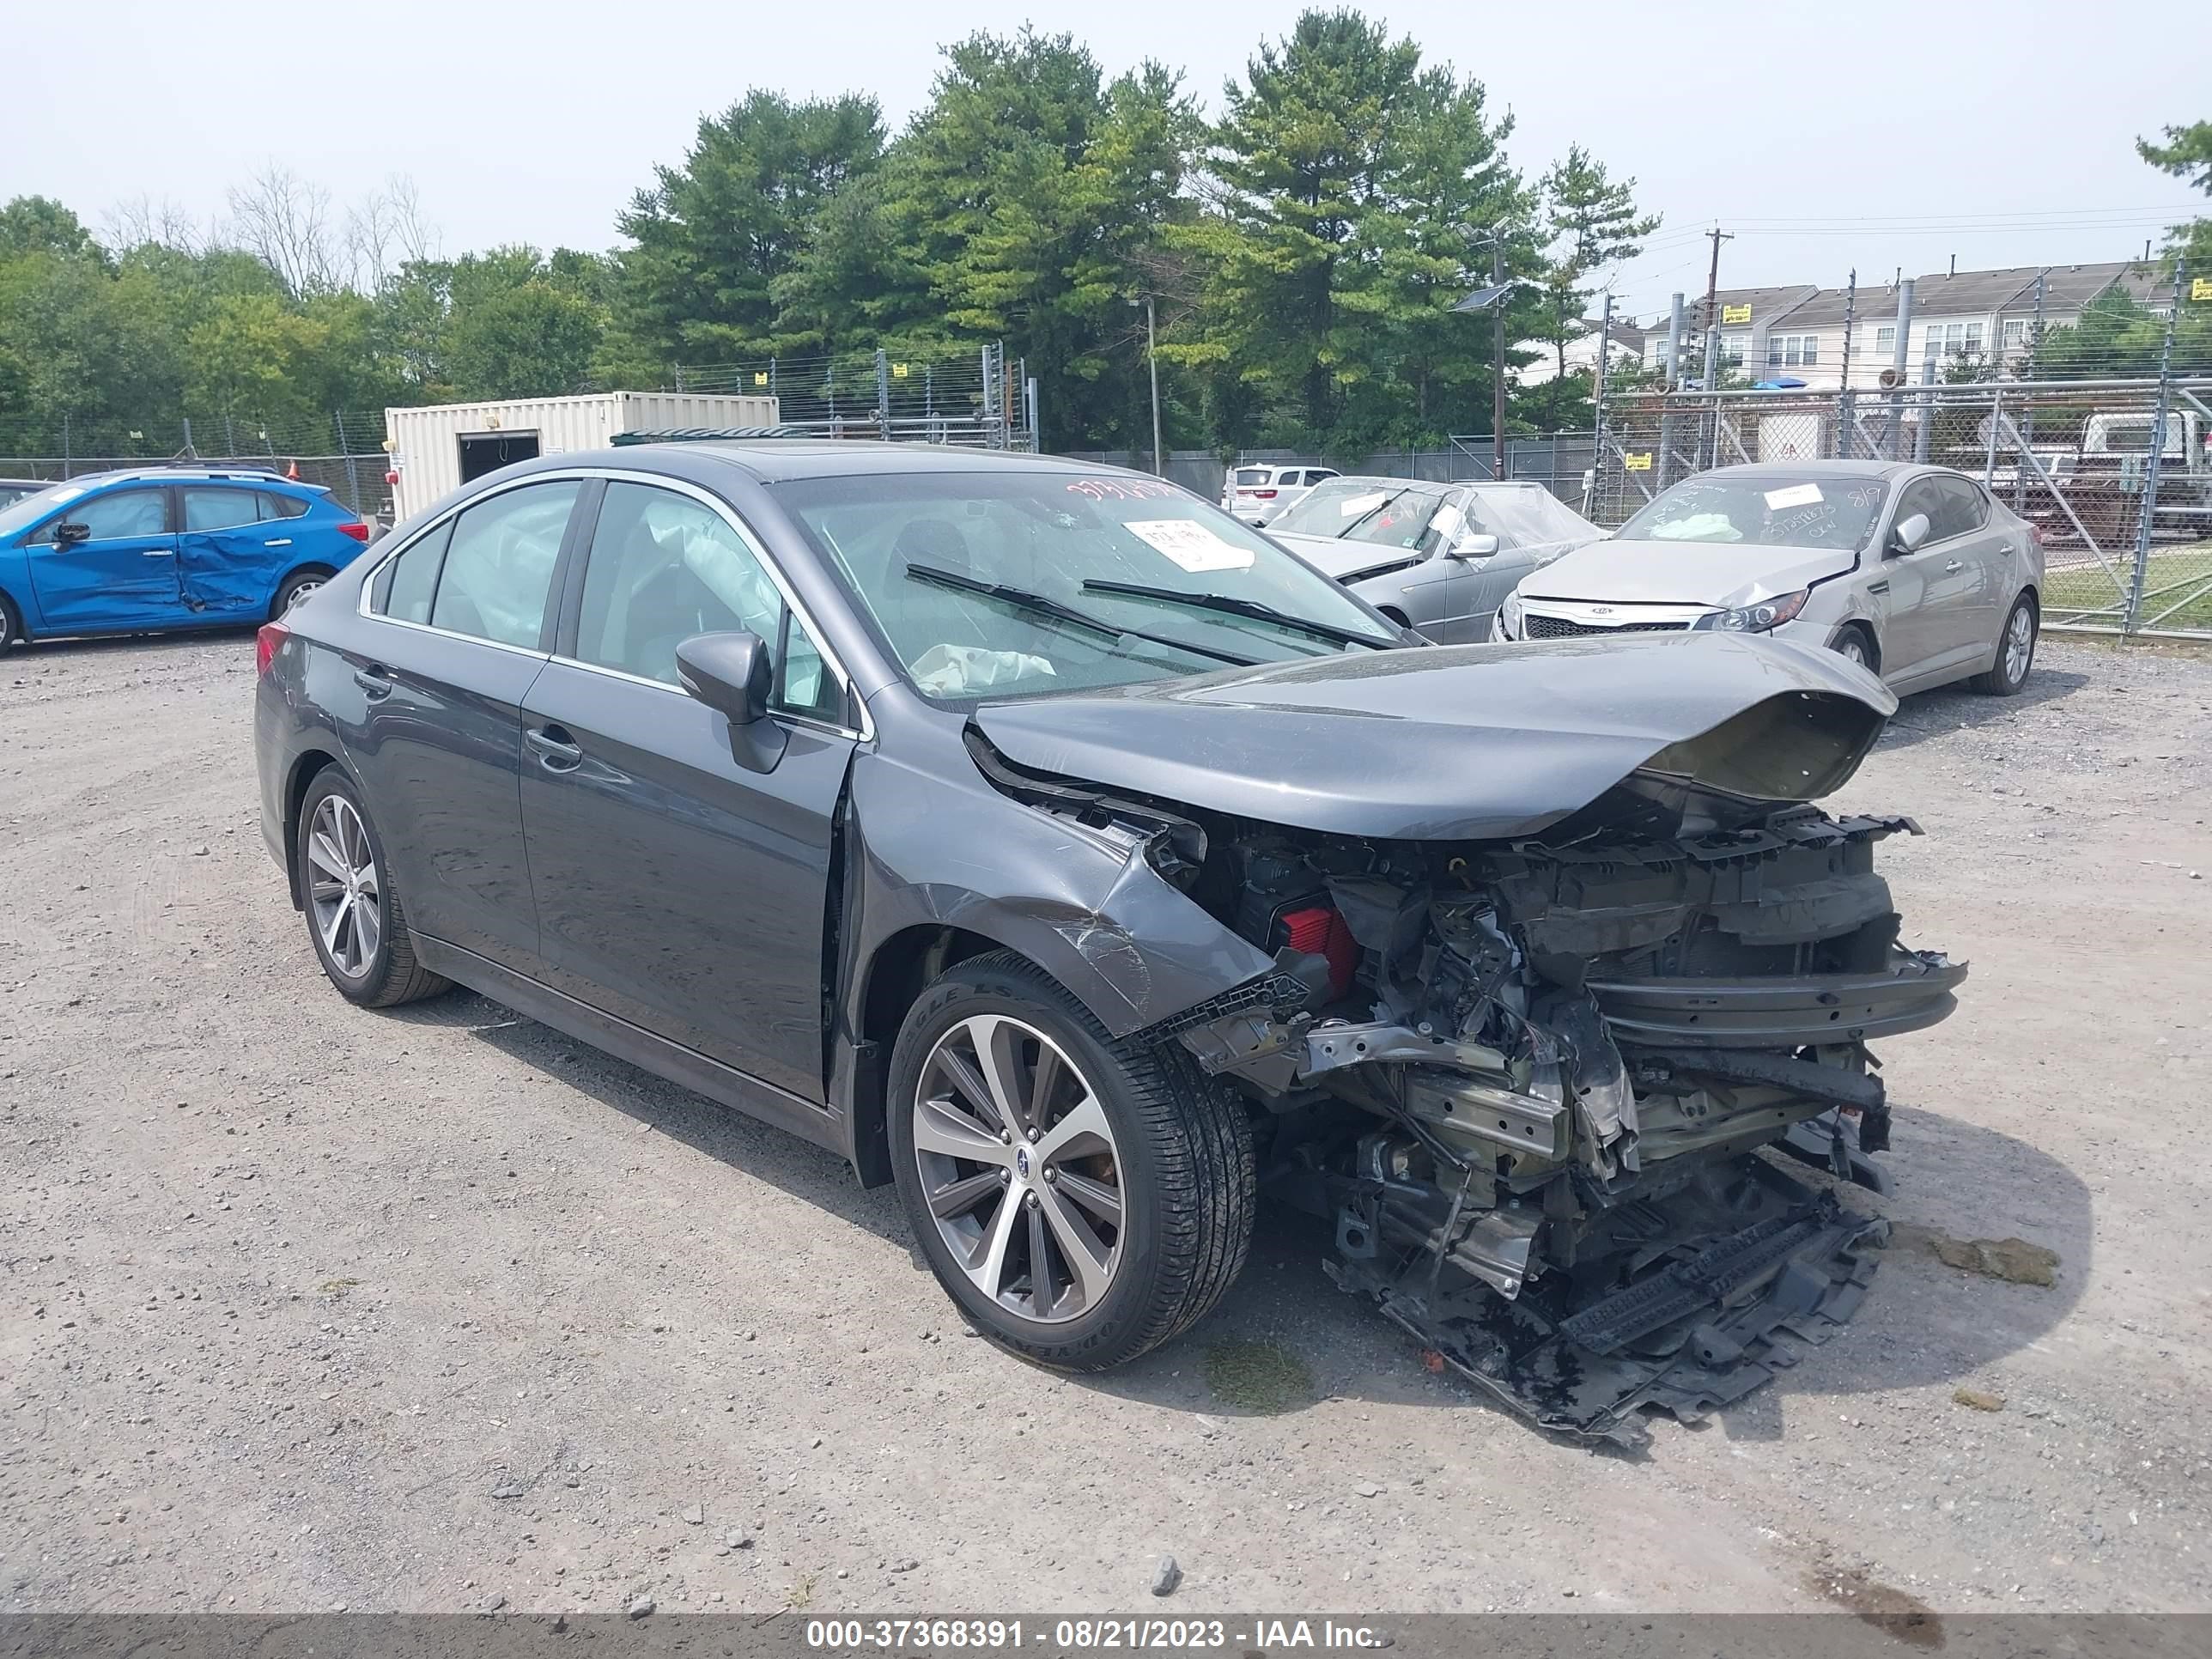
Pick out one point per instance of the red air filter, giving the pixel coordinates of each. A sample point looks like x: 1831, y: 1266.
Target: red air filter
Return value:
x: 1319, y: 930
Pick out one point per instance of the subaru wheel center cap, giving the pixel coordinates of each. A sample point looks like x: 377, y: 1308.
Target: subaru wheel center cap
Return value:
x: 1022, y: 1162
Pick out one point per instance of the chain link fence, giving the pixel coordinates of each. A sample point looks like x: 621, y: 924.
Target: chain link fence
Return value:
x: 342, y: 451
x: 2125, y: 519
x: 979, y: 398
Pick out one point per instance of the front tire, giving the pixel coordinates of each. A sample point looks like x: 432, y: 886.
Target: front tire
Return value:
x: 1853, y: 645
x: 2016, y: 643
x: 11, y: 626
x: 1082, y: 1199
x: 356, y: 920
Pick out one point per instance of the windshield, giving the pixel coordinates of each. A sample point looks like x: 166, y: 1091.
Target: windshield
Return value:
x: 1763, y: 510
x: 1051, y: 538
x: 22, y: 514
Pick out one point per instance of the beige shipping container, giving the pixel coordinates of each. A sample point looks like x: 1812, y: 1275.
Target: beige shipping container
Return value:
x: 438, y: 448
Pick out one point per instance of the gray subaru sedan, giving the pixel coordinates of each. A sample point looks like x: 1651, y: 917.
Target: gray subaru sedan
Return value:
x: 1037, y: 838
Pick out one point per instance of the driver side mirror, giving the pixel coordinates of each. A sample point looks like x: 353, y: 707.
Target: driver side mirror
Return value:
x: 1908, y: 533
x: 729, y: 672
x: 732, y: 674
x: 70, y: 534
x: 1474, y: 546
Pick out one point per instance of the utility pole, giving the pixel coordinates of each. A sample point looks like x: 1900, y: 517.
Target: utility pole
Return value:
x: 1845, y: 421
x: 1498, y: 357
x: 1713, y: 305
x: 1152, y: 362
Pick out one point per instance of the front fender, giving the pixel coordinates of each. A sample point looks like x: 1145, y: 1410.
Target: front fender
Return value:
x: 937, y: 844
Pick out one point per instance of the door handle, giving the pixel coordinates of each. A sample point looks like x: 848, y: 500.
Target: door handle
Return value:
x: 554, y: 750
x: 1881, y: 587
x: 2005, y: 549
x: 1953, y: 565
x: 280, y: 541
x: 372, y: 681
x: 154, y: 553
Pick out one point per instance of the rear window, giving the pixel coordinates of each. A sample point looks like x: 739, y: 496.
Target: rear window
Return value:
x: 274, y: 506
x: 1252, y: 475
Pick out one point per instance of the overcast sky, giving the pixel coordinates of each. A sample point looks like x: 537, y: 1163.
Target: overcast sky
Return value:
x: 1874, y: 135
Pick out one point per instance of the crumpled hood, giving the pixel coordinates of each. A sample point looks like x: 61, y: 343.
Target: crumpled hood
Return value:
x: 1343, y: 560
x: 1719, y: 574
x: 1466, y: 742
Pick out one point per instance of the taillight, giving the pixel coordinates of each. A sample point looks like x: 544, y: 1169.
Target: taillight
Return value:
x: 1319, y: 930
x: 356, y: 528
x: 266, y: 644
x: 1264, y: 494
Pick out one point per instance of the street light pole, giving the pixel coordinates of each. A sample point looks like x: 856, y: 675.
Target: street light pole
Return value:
x: 1498, y: 362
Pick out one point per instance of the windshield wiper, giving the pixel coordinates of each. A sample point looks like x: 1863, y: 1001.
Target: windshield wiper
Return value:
x: 1044, y: 605
x: 1237, y: 607
x: 1387, y: 501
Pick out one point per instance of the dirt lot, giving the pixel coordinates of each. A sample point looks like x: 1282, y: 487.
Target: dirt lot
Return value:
x: 302, y: 1307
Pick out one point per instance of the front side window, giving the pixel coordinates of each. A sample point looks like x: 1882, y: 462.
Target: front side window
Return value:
x: 499, y: 564
x: 1100, y: 581
x: 119, y: 513
x: 1962, y: 508
x: 1920, y: 497
x: 663, y: 568
x: 208, y: 507
x: 1763, y: 509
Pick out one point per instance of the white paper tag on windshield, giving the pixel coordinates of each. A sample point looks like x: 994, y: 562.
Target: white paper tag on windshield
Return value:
x: 1355, y: 505
x: 1191, y: 545
x: 1805, y: 494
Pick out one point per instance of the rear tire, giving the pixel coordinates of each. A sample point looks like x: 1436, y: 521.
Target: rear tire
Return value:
x: 296, y: 587
x: 356, y: 920
x: 1167, y: 1155
x: 11, y: 626
x: 2016, y: 643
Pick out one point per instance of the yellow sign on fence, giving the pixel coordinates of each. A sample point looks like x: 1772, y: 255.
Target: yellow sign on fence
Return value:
x: 2200, y: 288
x: 1736, y: 313
x: 760, y: 377
x: 898, y: 371
x: 1638, y: 461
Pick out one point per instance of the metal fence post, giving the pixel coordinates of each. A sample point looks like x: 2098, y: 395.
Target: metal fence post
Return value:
x: 2132, y: 618
x: 883, y: 393
x: 1996, y: 420
x: 189, y: 451
x: 353, y: 469
x: 1901, y: 356
x: 1927, y: 430
x: 1666, y: 392
x: 1845, y: 436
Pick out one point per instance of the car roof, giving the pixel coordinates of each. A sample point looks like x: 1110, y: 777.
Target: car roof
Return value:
x: 778, y: 461
x: 1828, y: 469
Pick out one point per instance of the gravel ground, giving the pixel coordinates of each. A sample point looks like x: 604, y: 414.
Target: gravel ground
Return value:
x: 305, y: 1307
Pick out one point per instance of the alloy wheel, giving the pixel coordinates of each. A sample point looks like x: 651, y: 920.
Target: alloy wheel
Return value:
x: 1852, y: 649
x: 301, y: 591
x: 2018, y: 644
x: 1019, y: 1167
x: 343, y: 890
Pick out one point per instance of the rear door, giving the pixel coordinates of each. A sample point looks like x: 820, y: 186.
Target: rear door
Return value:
x: 679, y: 887
x: 432, y: 717
x: 123, y: 575
x: 231, y: 549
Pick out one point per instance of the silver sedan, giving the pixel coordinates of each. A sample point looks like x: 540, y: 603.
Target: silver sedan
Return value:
x: 1436, y: 557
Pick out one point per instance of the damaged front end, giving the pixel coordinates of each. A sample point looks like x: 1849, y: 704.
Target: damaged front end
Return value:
x: 1562, y: 1057
x: 1525, y: 1077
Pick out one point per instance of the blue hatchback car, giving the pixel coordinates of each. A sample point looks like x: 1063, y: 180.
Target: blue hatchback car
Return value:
x: 140, y: 552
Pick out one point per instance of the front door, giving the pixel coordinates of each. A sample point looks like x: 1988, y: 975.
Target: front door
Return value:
x: 680, y: 887
x: 431, y: 714
x: 121, y: 576
x: 1911, y: 641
